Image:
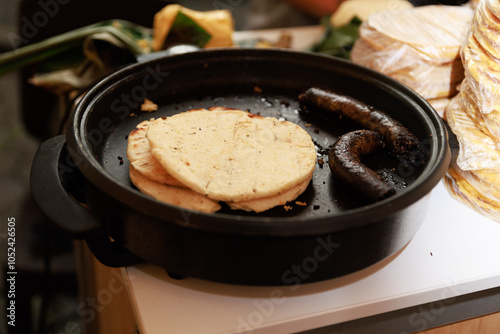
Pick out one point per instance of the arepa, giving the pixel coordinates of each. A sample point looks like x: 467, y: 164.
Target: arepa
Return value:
x: 269, y: 202
x: 400, y: 61
x: 485, y: 28
x: 435, y: 31
x: 483, y: 74
x: 143, y: 161
x: 489, y: 123
x: 419, y: 47
x: 463, y: 191
x: 478, y: 150
x: 232, y: 155
x: 181, y: 197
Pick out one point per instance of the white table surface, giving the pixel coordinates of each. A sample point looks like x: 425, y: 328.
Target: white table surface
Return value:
x: 455, y: 252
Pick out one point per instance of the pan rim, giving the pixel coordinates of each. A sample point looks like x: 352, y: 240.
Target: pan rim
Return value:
x: 252, y: 225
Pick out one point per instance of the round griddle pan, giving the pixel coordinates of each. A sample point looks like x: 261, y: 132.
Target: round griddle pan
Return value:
x: 345, y: 232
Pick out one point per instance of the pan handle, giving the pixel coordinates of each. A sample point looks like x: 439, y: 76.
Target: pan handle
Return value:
x: 49, y: 171
x: 452, y: 141
x: 56, y: 189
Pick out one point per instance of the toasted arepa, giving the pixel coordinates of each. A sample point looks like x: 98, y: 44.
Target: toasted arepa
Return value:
x: 140, y: 156
x: 269, y: 202
x: 232, y: 155
x: 422, y: 28
x: 182, y: 197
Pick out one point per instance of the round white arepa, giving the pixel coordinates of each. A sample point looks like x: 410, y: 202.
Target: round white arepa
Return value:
x: 141, y: 158
x: 182, y: 197
x: 232, y: 155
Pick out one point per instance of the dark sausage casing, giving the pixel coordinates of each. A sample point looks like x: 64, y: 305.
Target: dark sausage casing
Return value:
x: 404, y: 145
x: 345, y: 163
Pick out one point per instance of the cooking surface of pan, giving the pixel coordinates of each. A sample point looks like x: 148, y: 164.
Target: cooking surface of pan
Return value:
x: 324, y: 195
x: 268, y: 83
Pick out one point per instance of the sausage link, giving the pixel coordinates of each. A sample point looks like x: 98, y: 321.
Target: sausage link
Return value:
x: 405, y: 146
x: 345, y: 163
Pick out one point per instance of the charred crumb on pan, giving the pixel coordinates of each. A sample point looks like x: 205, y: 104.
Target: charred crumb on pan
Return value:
x: 316, y: 207
x: 149, y: 106
x: 320, y: 149
x: 285, y: 103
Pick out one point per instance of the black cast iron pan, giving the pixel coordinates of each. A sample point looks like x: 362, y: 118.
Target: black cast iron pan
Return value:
x: 336, y: 233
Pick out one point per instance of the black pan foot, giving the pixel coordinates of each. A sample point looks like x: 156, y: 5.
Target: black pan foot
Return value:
x: 175, y: 275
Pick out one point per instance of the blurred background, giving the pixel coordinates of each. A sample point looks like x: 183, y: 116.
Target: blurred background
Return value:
x: 47, y: 293
x: 46, y: 278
